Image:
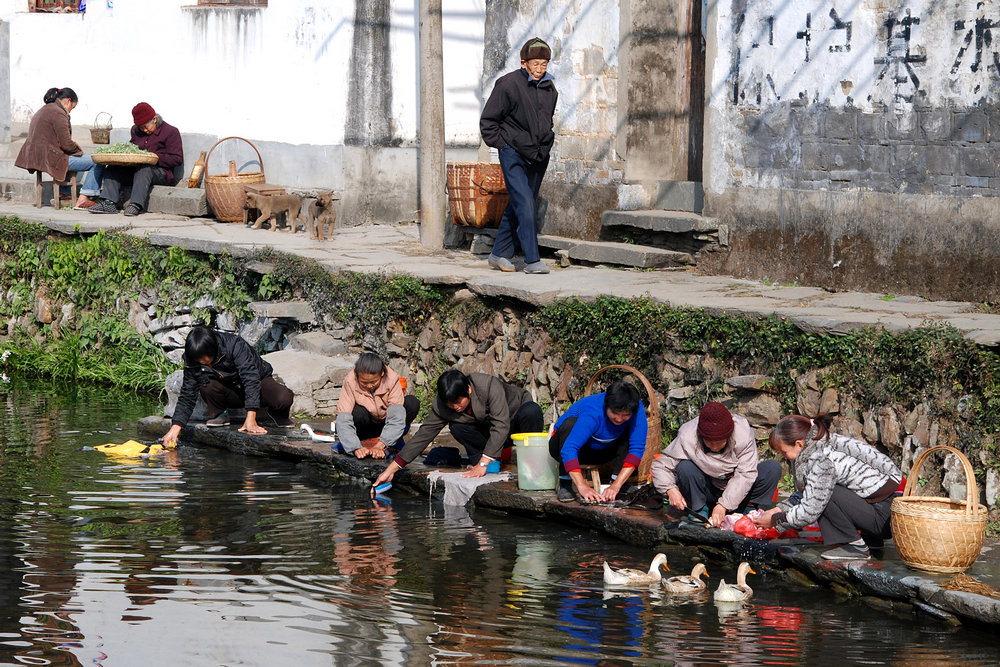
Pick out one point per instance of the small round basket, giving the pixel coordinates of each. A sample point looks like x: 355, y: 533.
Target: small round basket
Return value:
x: 101, y: 132
x: 225, y: 192
x: 939, y: 535
x: 124, y: 158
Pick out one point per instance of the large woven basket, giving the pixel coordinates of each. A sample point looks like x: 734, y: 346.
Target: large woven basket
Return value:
x: 654, y: 440
x: 477, y: 194
x: 101, y: 132
x: 225, y: 192
x: 939, y: 534
x: 124, y: 159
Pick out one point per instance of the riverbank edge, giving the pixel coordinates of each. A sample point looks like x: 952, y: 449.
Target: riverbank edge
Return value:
x: 887, y: 581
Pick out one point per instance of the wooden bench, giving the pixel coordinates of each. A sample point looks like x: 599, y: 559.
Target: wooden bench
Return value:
x: 55, y: 189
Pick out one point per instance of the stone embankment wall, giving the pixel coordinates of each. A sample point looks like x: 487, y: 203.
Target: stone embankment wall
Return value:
x: 313, y: 356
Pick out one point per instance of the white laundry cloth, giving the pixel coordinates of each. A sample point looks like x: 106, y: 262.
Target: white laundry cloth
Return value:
x: 458, y: 490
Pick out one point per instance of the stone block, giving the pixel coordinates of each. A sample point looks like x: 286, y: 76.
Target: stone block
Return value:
x: 902, y: 127
x: 597, y: 149
x: 844, y: 157
x: 872, y: 128
x: 815, y: 156
x: 979, y: 162
x: 300, y: 311
x: 806, y: 120
x: 841, y: 124
x: 935, y: 125
x: 572, y: 146
x: 161, y: 324
x: 874, y: 157
x: 190, y: 202
x: 317, y: 342
x: 750, y: 382
x: 969, y: 126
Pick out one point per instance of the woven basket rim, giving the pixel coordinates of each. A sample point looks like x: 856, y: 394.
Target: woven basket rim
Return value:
x: 221, y: 179
x: 123, y: 158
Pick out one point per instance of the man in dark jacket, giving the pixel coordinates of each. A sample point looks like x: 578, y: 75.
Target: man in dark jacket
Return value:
x: 517, y: 121
x: 153, y: 134
x: 229, y: 374
x: 481, y: 411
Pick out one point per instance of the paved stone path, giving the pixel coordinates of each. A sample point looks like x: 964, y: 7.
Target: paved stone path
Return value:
x: 396, y: 249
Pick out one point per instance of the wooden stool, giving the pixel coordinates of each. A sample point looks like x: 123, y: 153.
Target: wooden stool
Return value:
x: 595, y: 475
x: 55, y: 189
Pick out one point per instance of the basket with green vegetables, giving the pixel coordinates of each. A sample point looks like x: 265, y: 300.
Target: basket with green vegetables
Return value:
x: 123, y: 153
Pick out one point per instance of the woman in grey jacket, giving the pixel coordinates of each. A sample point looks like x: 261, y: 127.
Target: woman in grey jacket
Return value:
x: 846, y: 485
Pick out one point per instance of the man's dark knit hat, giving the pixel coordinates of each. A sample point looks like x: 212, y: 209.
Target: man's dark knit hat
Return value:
x: 534, y: 49
x: 715, y: 422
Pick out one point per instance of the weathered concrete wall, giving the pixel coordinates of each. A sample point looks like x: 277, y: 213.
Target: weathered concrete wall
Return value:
x: 854, y: 144
x: 300, y: 79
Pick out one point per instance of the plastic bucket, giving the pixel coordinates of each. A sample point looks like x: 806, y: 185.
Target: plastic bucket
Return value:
x: 536, y: 470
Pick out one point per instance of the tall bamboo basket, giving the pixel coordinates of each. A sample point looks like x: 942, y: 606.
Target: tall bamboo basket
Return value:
x: 939, y: 534
x: 477, y: 193
x: 225, y: 191
x: 654, y: 440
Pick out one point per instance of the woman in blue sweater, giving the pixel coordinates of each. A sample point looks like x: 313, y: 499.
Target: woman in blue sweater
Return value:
x: 595, y: 430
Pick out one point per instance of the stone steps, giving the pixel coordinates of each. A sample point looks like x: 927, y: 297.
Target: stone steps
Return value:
x: 621, y: 254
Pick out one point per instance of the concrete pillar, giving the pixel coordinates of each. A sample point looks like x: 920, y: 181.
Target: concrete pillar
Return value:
x: 5, y: 110
x: 433, y: 199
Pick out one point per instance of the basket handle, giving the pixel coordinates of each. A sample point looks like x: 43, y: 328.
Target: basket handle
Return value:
x: 209, y: 157
x: 971, y: 489
x: 103, y: 127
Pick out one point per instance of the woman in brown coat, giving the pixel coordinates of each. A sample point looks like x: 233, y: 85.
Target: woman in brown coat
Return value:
x: 50, y: 146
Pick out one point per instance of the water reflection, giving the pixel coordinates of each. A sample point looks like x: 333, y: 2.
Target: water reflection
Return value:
x: 217, y: 559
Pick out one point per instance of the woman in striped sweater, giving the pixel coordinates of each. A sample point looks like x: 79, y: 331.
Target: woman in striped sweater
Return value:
x: 845, y: 484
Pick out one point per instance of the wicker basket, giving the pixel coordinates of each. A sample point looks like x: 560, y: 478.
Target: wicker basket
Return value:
x: 125, y: 159
x: 654, y: 441
x: 939, y: 534
x: 225, y: 191
x: 477, y: 194
x: 101, y: 132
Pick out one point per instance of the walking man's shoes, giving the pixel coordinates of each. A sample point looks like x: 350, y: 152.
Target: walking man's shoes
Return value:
x: 501, y: 263
x: 536, y: 267
x: 133, y: 209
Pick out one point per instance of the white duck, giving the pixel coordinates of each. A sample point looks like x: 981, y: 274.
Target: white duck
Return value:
x: 686, y: 584
x: 629, y: 577
x: 737, y: 592
x: 320, y: 437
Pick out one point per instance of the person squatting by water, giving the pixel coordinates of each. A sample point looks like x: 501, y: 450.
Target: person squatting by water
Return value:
x: 712, y: 466
x: 517, y: 121
x: 844, y: 484
x: 372, y: 412
x: 606, y: 427
x: 228, y: 373
x: 481, y: 411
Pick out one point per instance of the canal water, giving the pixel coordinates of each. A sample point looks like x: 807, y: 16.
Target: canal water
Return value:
x: 209, y: 558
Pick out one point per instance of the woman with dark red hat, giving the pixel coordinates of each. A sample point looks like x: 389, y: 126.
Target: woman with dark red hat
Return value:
x: 712, y: 467
x: 153, y: 134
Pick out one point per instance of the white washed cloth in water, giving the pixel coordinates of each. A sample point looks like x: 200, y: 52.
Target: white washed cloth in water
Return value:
x: 458, y: 490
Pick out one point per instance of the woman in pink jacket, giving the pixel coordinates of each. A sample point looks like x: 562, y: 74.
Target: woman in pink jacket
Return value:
x: 372, y: 412
x: 712, y: 467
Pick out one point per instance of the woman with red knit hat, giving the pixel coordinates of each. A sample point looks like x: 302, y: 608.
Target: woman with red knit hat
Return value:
x: 712, y: 467
x: 153, y: 134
